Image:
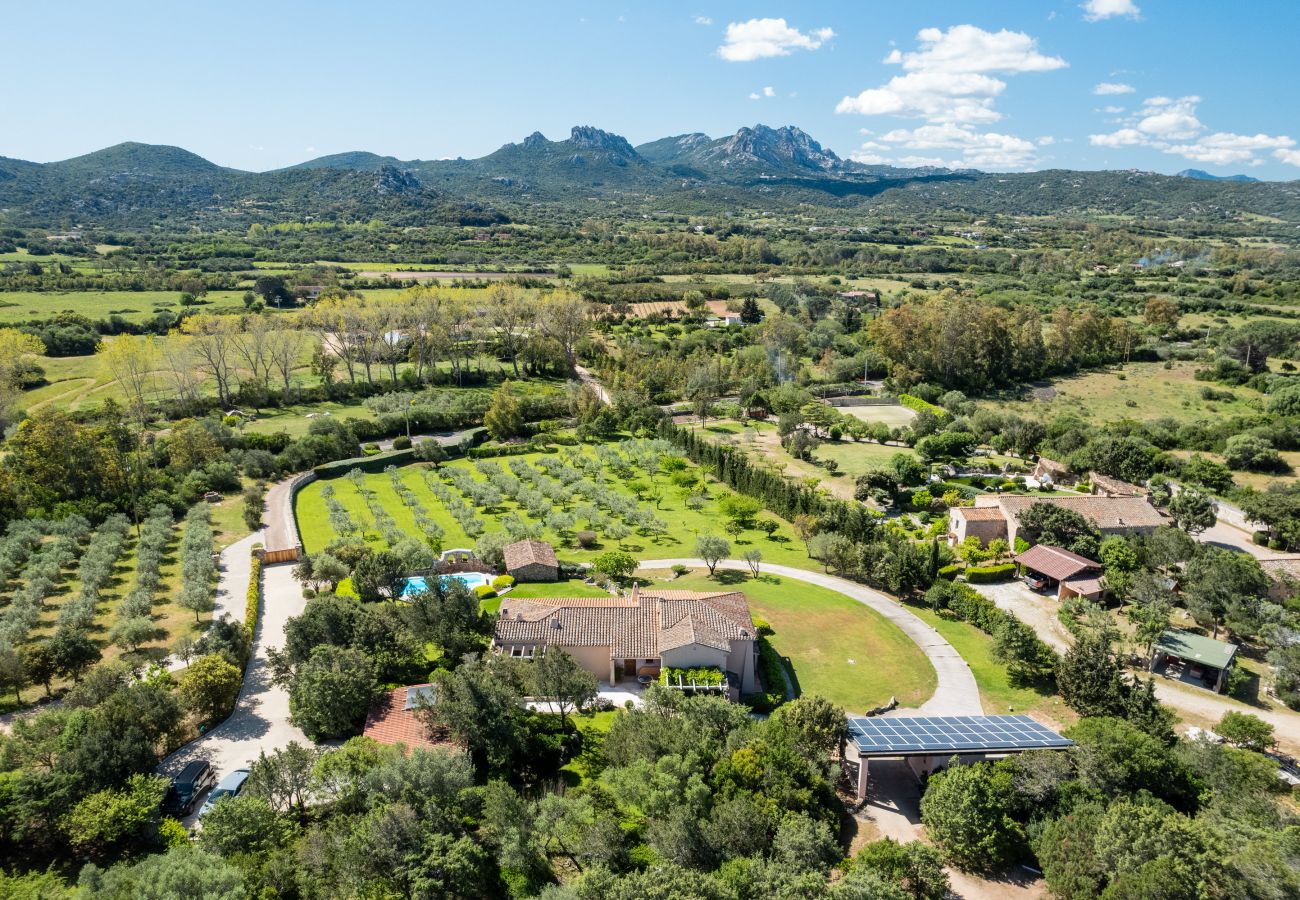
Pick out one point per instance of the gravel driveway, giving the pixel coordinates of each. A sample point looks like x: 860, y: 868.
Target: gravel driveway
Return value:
x: 260, y: 721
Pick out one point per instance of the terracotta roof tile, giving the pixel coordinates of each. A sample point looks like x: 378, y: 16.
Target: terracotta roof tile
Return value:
x: 390, y: 722
x: 1055, y: 562
x: 522, y: 553
x: 1105, y: 512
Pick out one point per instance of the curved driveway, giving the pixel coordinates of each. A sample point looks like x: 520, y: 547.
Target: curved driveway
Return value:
x: 955, y: 693
x: 260, y: 721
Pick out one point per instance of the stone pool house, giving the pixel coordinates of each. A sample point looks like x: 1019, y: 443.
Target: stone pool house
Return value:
x: 637, y: 634
x: 531, y: 561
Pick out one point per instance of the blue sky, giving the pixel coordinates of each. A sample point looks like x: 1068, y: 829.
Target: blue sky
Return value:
x: 1003, y: 85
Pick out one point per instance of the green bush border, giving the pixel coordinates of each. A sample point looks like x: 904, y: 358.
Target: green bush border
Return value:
x: 989, y: 574
x: 253, y: 601
x: 917, y: 405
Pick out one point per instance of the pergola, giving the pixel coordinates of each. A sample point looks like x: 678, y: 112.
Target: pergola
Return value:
x: 927, y: 743
x: 1194, y: 652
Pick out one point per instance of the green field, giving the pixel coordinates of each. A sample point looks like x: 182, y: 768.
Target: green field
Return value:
x: 684, y: 525
x: 134, y: 306
x: 839, y: 648
x: 1141, y: 391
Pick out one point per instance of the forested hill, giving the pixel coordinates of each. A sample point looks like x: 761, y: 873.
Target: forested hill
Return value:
x: 591, y: 172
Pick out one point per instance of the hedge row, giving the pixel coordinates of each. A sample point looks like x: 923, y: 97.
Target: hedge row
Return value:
x: 988, y: 574
x: 771, y: 668
x: 253, y: 602
x: 1028, y: 654
x: 370, y: 464
x: 917, y: 404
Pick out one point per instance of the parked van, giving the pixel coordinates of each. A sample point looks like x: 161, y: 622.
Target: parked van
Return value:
x: 230, y: 786
x: 187, y: 786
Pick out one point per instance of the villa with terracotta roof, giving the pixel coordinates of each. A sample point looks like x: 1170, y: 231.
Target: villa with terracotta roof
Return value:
x: 984, y: 522
x: 1105, y: 486
x: 637, y: 634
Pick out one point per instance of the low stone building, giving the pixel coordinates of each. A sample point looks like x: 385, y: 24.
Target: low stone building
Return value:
x: 1105, y: 486
x: 988, y: 523
x: 531, y: 561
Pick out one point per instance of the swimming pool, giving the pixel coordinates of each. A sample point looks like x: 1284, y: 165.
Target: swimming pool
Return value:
x: 471, y: 580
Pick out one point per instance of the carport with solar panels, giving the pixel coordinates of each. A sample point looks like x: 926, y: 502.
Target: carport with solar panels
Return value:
x: 928, y: 743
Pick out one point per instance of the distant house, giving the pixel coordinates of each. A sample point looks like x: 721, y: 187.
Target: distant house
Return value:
x: 1070, y: 574
x: 863, y: 298
x: 531, y: 561
x: 638, y: 634
x: 394, y: 717
x: 1105, y: 486
x: 1053, y: 471
x: 1110, y: 515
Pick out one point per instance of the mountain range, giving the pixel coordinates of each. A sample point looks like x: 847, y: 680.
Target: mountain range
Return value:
x: 591, y: 171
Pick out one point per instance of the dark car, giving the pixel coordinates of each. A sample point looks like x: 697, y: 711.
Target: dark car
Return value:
x: 1035, y: 582
x: 187, y: 786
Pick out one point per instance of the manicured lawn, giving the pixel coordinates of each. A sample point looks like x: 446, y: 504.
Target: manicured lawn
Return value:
x: 998, y: 694
x: 840, y: 649
x: 572, y: 588
x: 685, y: 525
x: 293, y: 420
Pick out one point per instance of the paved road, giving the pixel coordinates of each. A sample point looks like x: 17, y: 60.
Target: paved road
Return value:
x: 587, y: 378
x: 955, y: 694
x: 260, y: 721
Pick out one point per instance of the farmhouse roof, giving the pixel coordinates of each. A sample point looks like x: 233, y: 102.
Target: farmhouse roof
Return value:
x: 1280, y: 567
x: 1056, y: 562
x: 1115, y: 487
x: 1107, y: 513
x: 981, y: 513
x: 1051, y: 465
x: 639, y: 626
x: 522, y: 553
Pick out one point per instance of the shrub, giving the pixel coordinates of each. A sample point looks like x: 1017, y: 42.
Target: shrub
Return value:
x: 253, y: 602
x: 762, y: 626
x: 987, y: 574
x: 484, y: 592
x: 949, y: 572
x: 501, y: 582
x: 917, y: 404
x: 586, y: 539
x: 402, y: 443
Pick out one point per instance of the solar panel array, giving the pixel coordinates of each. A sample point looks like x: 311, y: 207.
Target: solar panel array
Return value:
x: 882, y: 736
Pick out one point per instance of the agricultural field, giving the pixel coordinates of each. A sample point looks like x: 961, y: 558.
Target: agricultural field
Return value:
x: 839, y: 649
x: 125, y: 592
x: 134, y: 306
x: 1141, y: 391
x: 616, y: 490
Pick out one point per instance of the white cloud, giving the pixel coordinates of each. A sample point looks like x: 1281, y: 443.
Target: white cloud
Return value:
x: 1170, y: 125
x: 1166, y: 117
x: 703, y: 20
x: 1107, y: 88
x: 765, y: 92
x: 1046, y: 140
x: 1112, y: 110
x: 1096, y: 10
x: 973, y: 149
x: 948, y: 78
x: 763, y: 38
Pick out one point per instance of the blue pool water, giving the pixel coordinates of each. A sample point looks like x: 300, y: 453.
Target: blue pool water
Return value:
x: 471, y: 580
